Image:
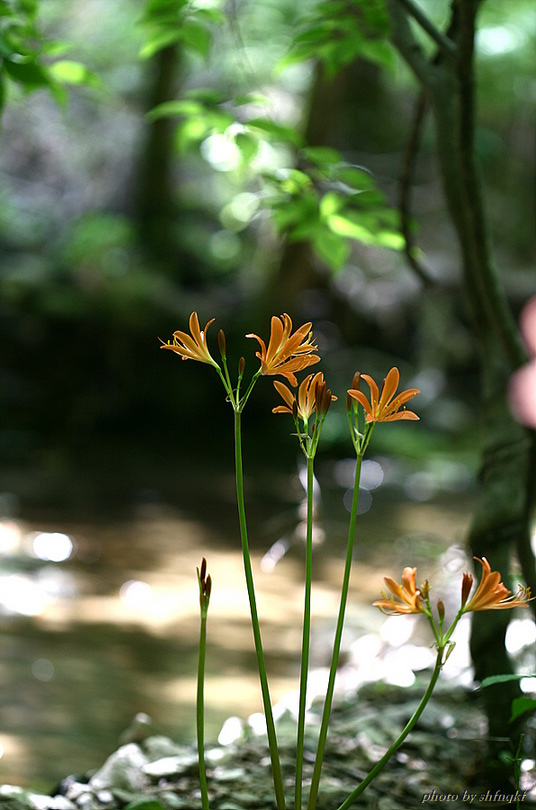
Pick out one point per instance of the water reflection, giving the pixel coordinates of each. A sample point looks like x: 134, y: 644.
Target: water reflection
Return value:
x: 100, y: 620
x: 52, y: 546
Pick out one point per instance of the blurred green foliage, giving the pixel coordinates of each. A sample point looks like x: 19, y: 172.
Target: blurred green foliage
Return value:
x: 32, y: 61
x: 277, y: 130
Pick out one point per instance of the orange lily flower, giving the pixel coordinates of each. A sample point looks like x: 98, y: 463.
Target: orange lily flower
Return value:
x: 410, y: 598
x: 286, y: 353
x: 194, y: 346
x: 491, y: 593
x: 311, y: 389
x: 385, y: 406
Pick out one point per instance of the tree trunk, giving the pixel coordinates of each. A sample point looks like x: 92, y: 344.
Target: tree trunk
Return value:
x: 501, y: 522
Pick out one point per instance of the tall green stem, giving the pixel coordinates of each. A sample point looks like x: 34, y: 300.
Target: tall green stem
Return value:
x: 306, y: 634
x: 267, y: 704
x: 201, y: 710
x: 336, y: 642
x: 400, y: 739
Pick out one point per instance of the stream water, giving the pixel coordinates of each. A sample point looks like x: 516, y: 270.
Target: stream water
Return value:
x: 99, y: 618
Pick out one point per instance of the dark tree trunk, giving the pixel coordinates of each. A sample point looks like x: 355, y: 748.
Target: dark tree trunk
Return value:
x: 155, y: 200
x: 501, y: 522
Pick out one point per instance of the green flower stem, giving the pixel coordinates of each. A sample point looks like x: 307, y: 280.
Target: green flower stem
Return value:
x: 313, y: 794
x: 400, y: 739
x: 306, y: 634
x: 201, y: 709
x: 267, y: 704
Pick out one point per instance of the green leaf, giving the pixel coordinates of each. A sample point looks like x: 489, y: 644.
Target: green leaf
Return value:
x: 330, y: 204
x: 161, y: 10
x: 70, y: 72
x: 207, y: 95
x: 28, y: 73
x: 393, y: 240
x: 251, y: 98
x: 160, y: 40
x: 277, y: 131
x: 190, y: 132
x: 290, y: 181
x: 349, y: 228
x: 196, y: 37
x: 248, y: 146
x: 172, y: 109
x: 522, y: 705
x: 333, y: 250
x: 321, y: 155
x: 494, y: 679
x: 213, y: 15
x: 379, y: 51
x: 355, y: 177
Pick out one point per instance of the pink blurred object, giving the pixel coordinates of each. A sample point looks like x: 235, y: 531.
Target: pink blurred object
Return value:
x: 522, y: 393
x: 522, y: 388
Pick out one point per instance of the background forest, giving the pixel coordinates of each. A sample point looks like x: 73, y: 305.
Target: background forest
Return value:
x: 241, y: 159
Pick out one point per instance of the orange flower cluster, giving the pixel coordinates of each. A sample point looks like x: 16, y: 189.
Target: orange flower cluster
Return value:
x: 408, y: 595
x: 491, y: 593
x: 313, y: 396
x: 286, y: 352
x: 194, y: 346
x: 384, y: 406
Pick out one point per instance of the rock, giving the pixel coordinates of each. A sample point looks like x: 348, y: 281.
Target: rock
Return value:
x: 172, y: 766
x: 141, y: 727
x: 123, y: 769
x: 13, y: 797
x: 157, y: 747
x: 40, y: 802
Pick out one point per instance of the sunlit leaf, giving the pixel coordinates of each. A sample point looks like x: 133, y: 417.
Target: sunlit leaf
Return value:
x: 172, y: 109
x: 330, y: 204
x: 70, y: 72
x: 159, y: 40
x: 343, y: 226
x: 190, y: 132
x: 393, y: 240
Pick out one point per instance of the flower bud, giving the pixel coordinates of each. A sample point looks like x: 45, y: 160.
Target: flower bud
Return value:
x: 241, y: 366
x: 203, y: 571
x: 356, y: 385
x: 425, y: 589
x: 440, y: 610
x: 467, y: 584
x: 221, y: 343
x: 450, y: 648
x: 319, y: 396
x: 327, y: 399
